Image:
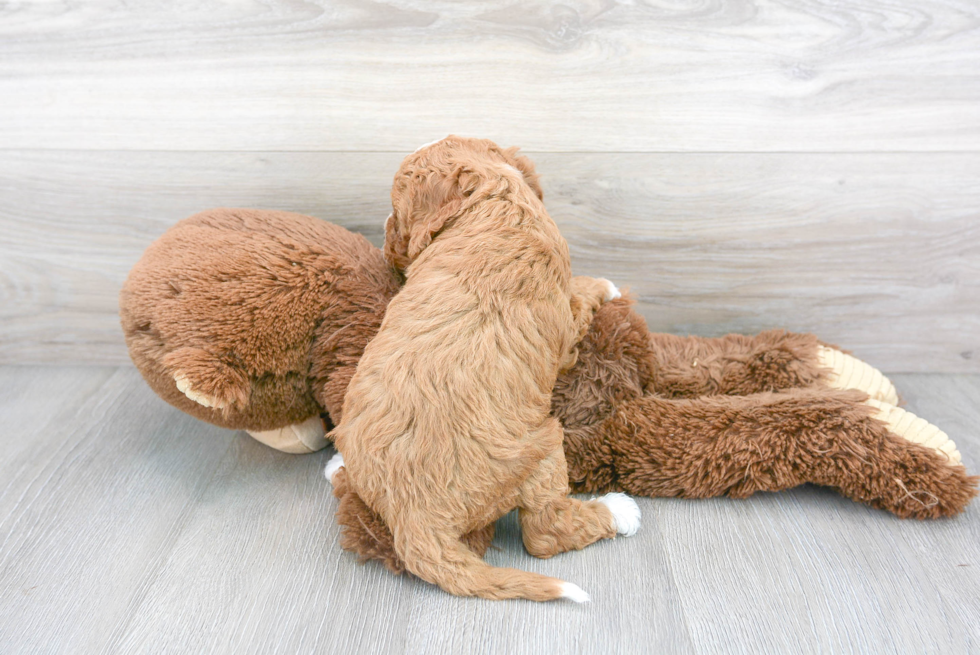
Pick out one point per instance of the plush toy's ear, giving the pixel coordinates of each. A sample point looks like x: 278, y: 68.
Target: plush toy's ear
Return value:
x: 526, y: 167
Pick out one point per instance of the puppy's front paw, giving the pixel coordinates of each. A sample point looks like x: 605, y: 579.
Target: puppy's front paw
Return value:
x: 625, y: 511
x: 335, y: 464
x: 612, y: 291
x: 184, y: 386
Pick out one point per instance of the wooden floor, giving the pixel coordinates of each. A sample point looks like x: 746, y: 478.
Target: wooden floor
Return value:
x: 128, y: 527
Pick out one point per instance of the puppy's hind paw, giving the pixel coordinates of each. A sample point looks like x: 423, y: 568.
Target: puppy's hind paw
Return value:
x: 335, y: 464
x: 625, y: 512
x: 612, y: 291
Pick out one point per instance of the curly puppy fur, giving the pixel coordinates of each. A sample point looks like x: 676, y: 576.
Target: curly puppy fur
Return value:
x: 447, y: 420
x: 265, y: 314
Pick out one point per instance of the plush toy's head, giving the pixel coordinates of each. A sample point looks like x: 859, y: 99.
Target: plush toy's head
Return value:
x: 437, y: 182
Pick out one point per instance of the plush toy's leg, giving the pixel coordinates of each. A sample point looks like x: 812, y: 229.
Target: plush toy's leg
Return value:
x: 718, y: 445
x: 688, y: 367
x: 847, y: 372
x: 920, y: 459
x: 916, y: 430
x: 365, y: 534
x: 301, y: 439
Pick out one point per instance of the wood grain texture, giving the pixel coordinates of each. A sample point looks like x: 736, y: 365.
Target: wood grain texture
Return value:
x: 581, y: 75
x: 93, y: 498
x: 879, y: 253
x: 128, y: 527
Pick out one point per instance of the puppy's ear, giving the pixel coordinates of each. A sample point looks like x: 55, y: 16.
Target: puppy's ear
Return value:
x: 526, y: 167
x: 435, y: 204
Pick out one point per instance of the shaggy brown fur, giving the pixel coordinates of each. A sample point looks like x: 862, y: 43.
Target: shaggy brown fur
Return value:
x: 447, y: 422
x: 725, y: 432
x: 614, y: 404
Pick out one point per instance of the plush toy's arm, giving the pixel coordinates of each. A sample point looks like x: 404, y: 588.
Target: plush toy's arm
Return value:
x: 719, y: 445
x: 338, y: 345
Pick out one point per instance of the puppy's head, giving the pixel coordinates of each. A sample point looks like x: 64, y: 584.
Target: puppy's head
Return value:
x: 434, y: 185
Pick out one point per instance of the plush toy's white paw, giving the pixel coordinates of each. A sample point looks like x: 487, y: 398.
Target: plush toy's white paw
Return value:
x: 917, y: 430
x: 574, y: 592
x: 612, y: 291
x: 184, y: 387
x: 335, y: 464
x: 847, y: 372
x: 625, y: 511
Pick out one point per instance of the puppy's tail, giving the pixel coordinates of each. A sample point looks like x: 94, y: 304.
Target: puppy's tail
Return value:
x: 458, y: 570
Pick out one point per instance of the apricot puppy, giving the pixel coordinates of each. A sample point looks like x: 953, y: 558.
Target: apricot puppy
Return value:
x: 446, y: 423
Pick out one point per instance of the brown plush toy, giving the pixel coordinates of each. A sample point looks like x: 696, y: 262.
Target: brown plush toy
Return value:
x: 255, y: 320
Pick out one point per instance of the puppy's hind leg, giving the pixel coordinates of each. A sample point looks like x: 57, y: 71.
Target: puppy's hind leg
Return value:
x: 553, y: 523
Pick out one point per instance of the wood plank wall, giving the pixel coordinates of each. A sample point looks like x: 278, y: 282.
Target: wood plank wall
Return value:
x: 740, y: 164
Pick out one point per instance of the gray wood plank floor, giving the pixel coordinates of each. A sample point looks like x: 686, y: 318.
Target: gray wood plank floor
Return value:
x: 128, y: 527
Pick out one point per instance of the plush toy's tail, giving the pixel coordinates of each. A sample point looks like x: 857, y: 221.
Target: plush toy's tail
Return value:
x: 458, y: 570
